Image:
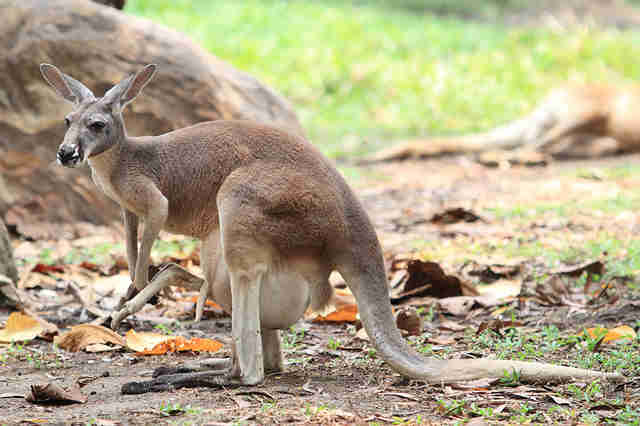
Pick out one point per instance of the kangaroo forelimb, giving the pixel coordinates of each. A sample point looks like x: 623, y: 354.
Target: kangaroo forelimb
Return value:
x: 171, y: 274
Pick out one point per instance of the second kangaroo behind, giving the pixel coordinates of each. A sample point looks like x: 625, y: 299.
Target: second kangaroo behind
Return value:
x: 275, y: 219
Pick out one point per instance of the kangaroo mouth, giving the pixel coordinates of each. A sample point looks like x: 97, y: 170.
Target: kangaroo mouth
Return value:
x: 70, y: 158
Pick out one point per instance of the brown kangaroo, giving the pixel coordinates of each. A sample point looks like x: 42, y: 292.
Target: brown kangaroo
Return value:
x: 572, y: 121
x: 275, y: 218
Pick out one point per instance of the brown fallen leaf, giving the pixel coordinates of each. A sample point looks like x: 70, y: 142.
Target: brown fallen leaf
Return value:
x: 100, y: 347
x: 43, y: 268
x: 491, y: 273
x: 408, y: 319
x: 455, y: 215
x: 83, y: 335
x: 497, y: 325
x: 429, y: 279
x: 20, y: 327
x: 501, y: 289
x: 458, y: 306
x: 51, y: 393
x: 592, y: 267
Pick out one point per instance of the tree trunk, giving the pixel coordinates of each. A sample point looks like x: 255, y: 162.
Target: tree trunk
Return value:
x: 99, y: 46
x: 8, y: 295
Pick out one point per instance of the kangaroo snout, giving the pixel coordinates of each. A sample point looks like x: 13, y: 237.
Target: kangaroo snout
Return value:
x: 69, y: 155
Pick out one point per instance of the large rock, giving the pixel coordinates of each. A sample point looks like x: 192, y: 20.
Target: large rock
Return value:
x: 99, y: 45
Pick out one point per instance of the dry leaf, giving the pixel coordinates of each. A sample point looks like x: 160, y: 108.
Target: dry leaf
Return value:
x: 148, y: 343
x: 455, y: 215
x: 144, y: 340
x: 208, y: 302
x: 53, y: 393
x: 346, y: 313
x: 20, y: 327
x: 458, y: 306
x: 596, y: 267
x: 408, y: 319
x: 429, y: 279
x: 623, y: 332
x: 180, y: 344
x: 99, y: 347
x: 497, y: 325
x: 47, y: 269
x: 341, y: 308
x: 83, y: 335
x: 501, y: 289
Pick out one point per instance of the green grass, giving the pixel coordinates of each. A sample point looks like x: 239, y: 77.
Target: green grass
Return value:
x: 361, y: 74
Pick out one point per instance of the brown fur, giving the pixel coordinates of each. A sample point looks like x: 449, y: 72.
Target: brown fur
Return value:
x: 275, y: 219
x: 572, y: 121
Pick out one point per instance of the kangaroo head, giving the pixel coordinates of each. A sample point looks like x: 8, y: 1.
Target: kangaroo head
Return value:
x: 95, y: 125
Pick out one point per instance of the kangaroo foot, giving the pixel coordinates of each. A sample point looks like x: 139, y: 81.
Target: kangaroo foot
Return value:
x: 167, y: 382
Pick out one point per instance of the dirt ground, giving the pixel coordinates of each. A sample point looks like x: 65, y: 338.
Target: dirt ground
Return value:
x: 327, y: 383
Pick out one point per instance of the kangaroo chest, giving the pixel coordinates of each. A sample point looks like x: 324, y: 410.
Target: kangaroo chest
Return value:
x: 105, y: 185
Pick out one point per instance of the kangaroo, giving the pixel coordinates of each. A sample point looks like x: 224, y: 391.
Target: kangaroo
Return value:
x: 274, y: 218
x: 572, y: 121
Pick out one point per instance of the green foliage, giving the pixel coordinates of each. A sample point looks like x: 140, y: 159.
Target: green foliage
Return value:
x: 292, y: 338
x: 168, y: 409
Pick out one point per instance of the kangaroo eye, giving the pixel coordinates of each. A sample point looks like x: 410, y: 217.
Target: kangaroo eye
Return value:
x: 67, y: 122
x: 96, y: 126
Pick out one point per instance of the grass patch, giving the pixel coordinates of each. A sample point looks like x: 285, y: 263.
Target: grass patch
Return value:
x: 362, y: 73
x: 611, y: 205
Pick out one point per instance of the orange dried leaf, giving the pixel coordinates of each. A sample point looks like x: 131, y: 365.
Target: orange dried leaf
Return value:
x: 180, y: 344
x: 20, y: 327
x: 621, y: 332
x: 345, y: 313
x: 208, y: 302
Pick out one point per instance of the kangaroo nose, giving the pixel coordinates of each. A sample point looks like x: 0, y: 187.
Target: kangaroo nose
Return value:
x: 67, y: 154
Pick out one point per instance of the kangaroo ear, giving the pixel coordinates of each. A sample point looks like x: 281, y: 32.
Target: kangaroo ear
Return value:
x: 67, y: 87
x: 127, y: 90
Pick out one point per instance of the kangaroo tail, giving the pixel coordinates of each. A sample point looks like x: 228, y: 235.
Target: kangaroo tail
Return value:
x: 365, y: 275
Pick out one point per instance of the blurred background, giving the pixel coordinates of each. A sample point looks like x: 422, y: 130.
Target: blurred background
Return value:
x: 363, y: 73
